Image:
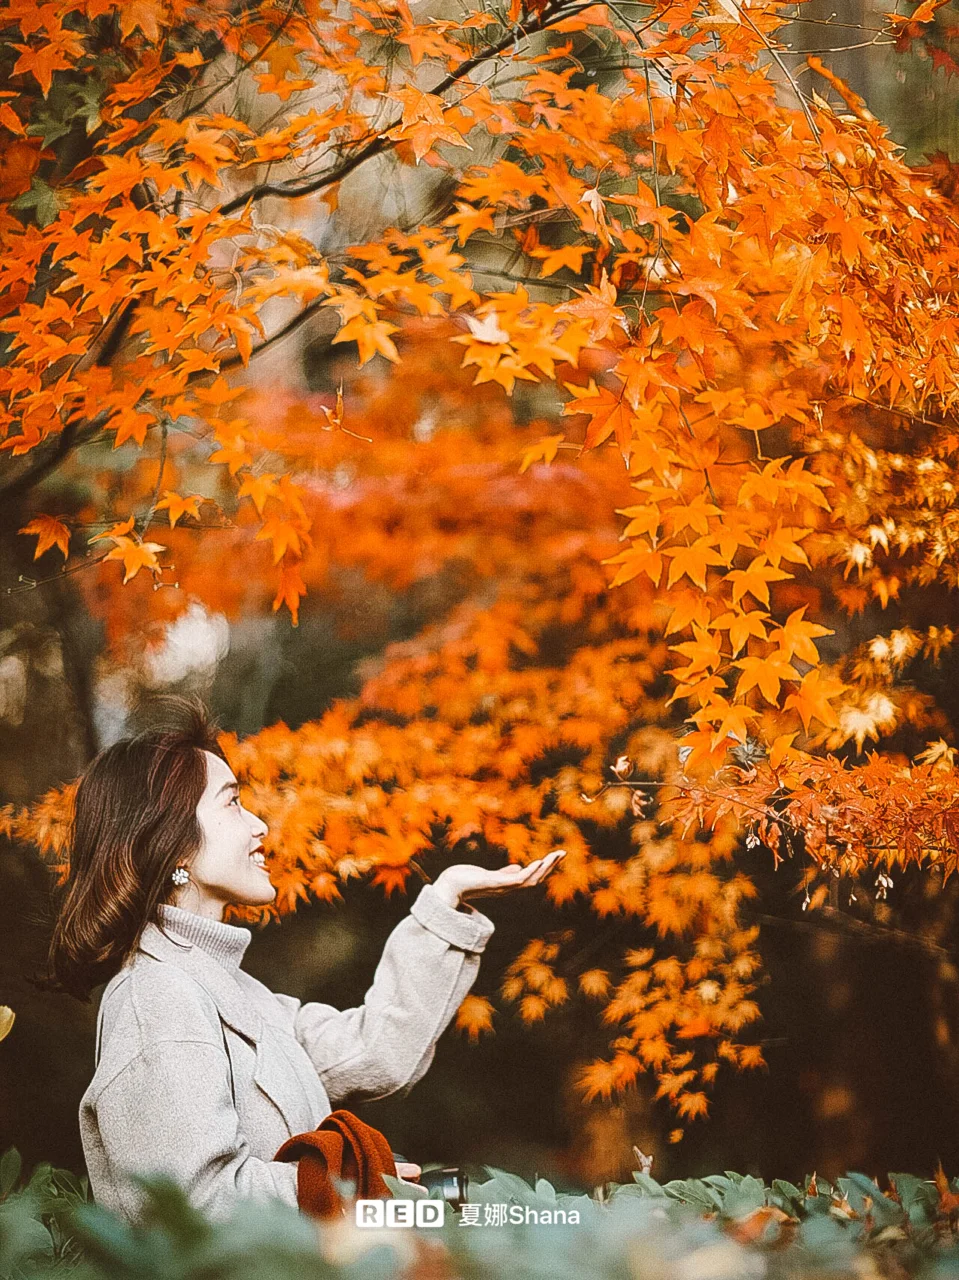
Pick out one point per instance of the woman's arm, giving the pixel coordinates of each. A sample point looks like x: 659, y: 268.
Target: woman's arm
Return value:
x: 429, y: 963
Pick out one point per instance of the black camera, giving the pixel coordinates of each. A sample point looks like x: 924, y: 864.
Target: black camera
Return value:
x: 452, y: 1183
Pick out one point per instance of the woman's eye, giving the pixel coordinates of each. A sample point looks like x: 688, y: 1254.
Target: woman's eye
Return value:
x: 235, y: 800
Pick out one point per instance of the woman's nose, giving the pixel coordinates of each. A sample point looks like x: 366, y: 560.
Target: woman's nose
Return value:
x: 259, y: 826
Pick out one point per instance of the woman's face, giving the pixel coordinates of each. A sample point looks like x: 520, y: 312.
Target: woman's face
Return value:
x: 228, y: 867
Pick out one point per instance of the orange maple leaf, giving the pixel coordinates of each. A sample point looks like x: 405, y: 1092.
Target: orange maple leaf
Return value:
x: 58, y: 51
x: 609, y: 413
x: 291, y: 590
x: 692, y: 561
x: 147, y: 15
x: 543, y: 450
x: 49, y: 532
x: 284, y: 536
x: 475, y: 1017
x: 814, y: 697
x: 742, y: 624
x: 638, y: 559
x: 734, y: 722
x: 218, y: 393
x: 597, y: 306
x: 796, y: 636
x: 755, y: 579
x: 766, y: 674
x: 131, y: 424
x: 235, y: 453
x: 258, y: 488
x: 567, y: 255
x: 426, y: 120
x: 135, y: 556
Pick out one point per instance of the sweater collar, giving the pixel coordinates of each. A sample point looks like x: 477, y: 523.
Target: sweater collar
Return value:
x: 226, y: 943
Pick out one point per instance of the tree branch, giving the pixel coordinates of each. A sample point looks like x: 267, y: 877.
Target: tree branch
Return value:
x: 829, y: 920
x: 231, y: 362
x: 244, y: 65
x: 164, y: 435
x: 381, y: 143
x: 43, y: 466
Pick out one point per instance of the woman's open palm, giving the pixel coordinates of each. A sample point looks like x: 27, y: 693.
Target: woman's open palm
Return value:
x: 464, y: 881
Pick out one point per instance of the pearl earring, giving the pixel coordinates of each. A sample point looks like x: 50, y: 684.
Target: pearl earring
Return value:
x: 180, y: 876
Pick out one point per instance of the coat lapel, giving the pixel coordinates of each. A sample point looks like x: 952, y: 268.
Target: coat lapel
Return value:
x: 273, y: 1074
x: 233, y: 1006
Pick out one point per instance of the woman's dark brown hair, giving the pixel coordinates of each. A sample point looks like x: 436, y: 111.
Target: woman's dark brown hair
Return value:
x: 134, y: 822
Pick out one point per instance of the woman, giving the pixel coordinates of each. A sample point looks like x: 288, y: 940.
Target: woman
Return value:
x: 202, y: 1072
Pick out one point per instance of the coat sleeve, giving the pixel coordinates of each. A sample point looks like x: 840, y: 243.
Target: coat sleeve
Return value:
x: 429, y: 963
x: 170, y: 1111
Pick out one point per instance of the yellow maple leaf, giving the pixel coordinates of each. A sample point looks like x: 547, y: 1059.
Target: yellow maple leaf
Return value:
x: 177, y: 507
x: 939, y: 754
x: 371, y: 337
x: 755, y: 579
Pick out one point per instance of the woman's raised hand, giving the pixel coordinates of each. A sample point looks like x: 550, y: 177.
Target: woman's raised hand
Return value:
x: 456, y: 884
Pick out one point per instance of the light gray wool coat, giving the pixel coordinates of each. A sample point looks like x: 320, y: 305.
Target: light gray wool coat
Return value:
x: 203, y: 1072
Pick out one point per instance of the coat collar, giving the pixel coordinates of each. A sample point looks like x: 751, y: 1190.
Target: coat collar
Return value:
x: 232, y: 1003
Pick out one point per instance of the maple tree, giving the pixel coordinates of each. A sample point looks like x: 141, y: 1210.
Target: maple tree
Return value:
x: 744, y: 301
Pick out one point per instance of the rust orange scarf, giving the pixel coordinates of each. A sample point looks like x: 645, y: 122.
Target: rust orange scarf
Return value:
x: 341, y: 1147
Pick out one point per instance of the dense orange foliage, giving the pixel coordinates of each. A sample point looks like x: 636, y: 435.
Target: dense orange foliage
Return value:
x: 746, y: 302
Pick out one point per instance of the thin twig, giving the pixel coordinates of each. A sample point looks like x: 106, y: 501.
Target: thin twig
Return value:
x: 164, y: 432
x: 245, y: 64
x: 31, y: 584
x: 291, y: 326
x: 381, y: 143
x: 774, y: 54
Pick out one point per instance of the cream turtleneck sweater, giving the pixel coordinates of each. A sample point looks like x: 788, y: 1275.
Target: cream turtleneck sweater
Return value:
x: 226, y: 943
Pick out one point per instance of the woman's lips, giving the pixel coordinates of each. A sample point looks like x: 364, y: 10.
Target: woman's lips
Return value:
x: 258, y: 857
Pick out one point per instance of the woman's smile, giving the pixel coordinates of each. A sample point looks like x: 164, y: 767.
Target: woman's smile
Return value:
x: 226, y: 869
